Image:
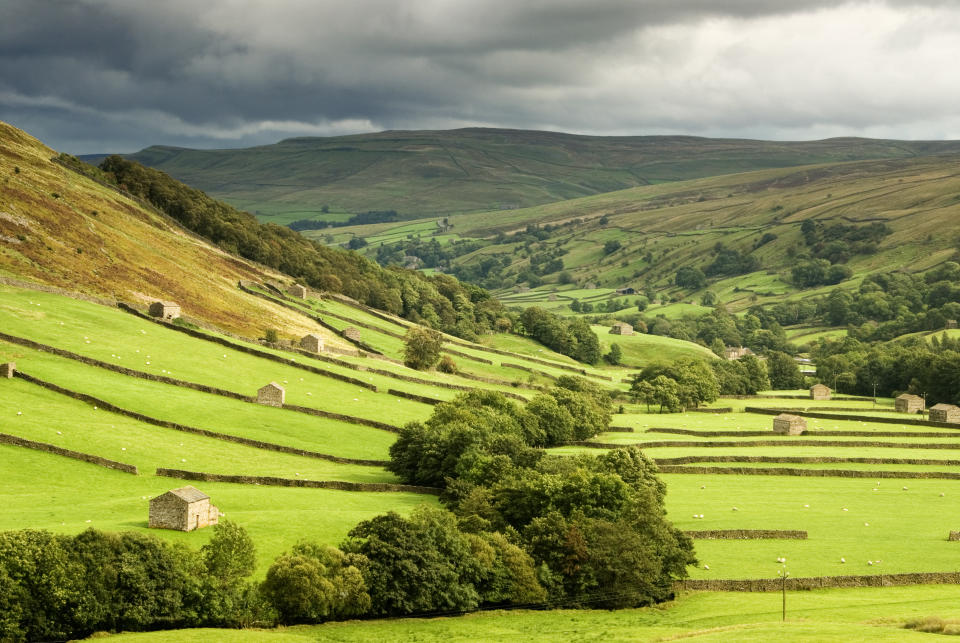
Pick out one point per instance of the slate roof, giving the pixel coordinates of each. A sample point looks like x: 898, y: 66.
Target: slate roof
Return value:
x: 189, y: 494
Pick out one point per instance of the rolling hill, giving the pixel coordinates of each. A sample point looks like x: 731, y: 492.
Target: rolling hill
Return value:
x: 431, y: 173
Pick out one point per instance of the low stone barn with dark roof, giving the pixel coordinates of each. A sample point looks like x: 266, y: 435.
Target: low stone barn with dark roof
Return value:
x: 351, y: 333
x: 820, y: 392
x: 8, y: 369
x: 184, y: 509
x: 296, y: 290
x: 945, y: 413
x: 165, y: 309
x: 621, y: 328
x: 312, y: 343
x: 951, y: 323
x: 908, y: 403
x: 272, y: 395
x: 787, y: 424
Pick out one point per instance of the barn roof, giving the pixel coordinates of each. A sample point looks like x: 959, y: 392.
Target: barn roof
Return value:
x: 272, y: 385
x: 189, y: 494
x: 942, y: 407
x: 909, y: 396
x: 788, y: 417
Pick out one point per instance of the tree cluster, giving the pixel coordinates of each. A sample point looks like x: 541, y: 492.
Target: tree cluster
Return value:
x: 571, y: 337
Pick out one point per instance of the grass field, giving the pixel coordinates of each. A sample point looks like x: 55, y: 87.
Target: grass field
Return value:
x: 837, y: 615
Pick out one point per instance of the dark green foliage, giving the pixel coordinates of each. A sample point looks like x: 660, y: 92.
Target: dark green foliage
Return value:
x: 314, y: 583
x: 731, y: 262
x: 839, y: 242
x: 573, y: 338
x: 447, y: 365
x: 229, y: 559
x: 270, y: 335
x: 356, y: 243
x: 611, y: 246
x: 421, y: 348
x: 783, y: 371
x: 744, y: 376
x: 690, y: 278
x: 374, y: 216
x: 614, y: 356
x: 440, y: 299
x: 686, y: 383
x: 417, y: 564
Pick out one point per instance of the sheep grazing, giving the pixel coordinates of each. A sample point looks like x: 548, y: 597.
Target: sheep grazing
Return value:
x: 706, y: 566
x: 843, y: 560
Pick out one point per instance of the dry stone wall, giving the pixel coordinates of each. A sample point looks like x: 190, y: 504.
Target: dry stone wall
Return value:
x: 6, y: 438
x: 297, y: 482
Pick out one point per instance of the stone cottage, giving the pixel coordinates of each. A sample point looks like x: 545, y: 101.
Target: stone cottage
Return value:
x: 621, y: 328
x: 736, y: 352
x: 351, y: 333
x: 908, y: 403
x: 945, y: 413
x: 312, y: 343
x: 165, y: 310
x: 7, y: 370
x: 298, y: 291
x: 951, y: 324
x: 820, y: 392
x: 627, y: 290
x: 787, y: 424
x: 272, y: 395
x: 184, y: 509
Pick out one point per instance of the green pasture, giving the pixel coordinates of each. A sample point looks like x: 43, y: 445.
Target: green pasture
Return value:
x: 41, y: 415
x: 830, y: 615
x: 641, y: 349
x: 45, y: 491
x: 206, y: 411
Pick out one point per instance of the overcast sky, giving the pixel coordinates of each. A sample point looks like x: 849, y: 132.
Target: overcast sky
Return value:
x: 90, y: 76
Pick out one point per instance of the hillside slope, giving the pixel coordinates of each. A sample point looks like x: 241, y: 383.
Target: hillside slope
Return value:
x: 429, y: 173
x: 65, y: 230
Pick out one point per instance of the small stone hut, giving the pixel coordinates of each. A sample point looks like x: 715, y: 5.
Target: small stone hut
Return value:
x: 908, y: 403
x: 165, y: 310
x: 820, y: 392
x: 351, y: 333
x: 7, y: 370
x: 272, y: 395
x: 951, y: 323
x: 787, y: 424
x: 621, y: 328
x: 627, y: 290
x: 945, y: 413
x: 736, y: 352
x: 184, y: 509
x: 312, y: 343
x: 296, y: 290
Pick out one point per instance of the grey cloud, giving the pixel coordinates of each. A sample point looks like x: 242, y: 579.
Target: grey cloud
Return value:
x: 97, y: 75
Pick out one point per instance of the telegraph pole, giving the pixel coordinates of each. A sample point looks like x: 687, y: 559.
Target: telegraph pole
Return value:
x: 783, y: 589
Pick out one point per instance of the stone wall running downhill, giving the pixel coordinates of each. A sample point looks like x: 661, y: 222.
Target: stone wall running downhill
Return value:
x: 267, y: 446
x: 415, y: 397
x: 297, y: 482
x: 527, y: 369
x: 6, y: 438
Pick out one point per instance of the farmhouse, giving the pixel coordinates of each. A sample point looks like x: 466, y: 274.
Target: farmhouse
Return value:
x: 820, y: 392
x: 621, y: 328
x: 351, y: 333
x: 786, y: 424
x: 272, y: 395
x: 7, y: 370
x: 908, y: 403
x: 298, y: 291
x: 184, y: 509
x: 736, y: 352
x: 165, y: 310
x: 627, y: 290
x: 945, y: 413
x: 312, y: 343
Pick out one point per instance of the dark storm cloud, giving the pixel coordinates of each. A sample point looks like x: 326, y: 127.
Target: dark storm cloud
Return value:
x: 117, y: 75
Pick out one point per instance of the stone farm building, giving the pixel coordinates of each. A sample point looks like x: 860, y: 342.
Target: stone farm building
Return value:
x: 736, y: 352
x: 184, y: 509
x: 7, y: 370
x: 786, y: 424
x: 312, y: 343
x: 820, y: 392
x: 298, y: 291
x: 908, y: 403
x: 951, y: 323
x: 945, y: 413
x: 272, y: 395
x: 621, y: 328
x: 627, y: 290
x: 165, y: 310
x: 351, y: 333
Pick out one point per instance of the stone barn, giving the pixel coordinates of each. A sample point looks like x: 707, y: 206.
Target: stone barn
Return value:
x: 820, y: 392
x: 621, y: 328
x: 945, y: 413
x: 627, y: 290
x: 736, y: 352
x: 272, y: 395
x: 184, y: 509
x: 312, y: 343
x: 8, y: 369
x: 298, y: 291
x: 165, y: 310
x: 786, y: 424
x: 908, y: 403
x: 351, y: 333
x: 951, y: 324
